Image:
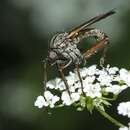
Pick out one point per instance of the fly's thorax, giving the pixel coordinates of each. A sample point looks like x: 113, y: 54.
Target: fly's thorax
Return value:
x: 57, y: 40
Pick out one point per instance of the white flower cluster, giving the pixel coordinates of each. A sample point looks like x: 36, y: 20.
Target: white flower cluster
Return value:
x: 96, y: 82
x: 124, y: 109
x: 48, y: 100
x: 124, y: 128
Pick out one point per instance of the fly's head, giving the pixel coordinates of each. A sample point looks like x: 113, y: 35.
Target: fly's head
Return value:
x: 55, y: 47
x: 52, y: 57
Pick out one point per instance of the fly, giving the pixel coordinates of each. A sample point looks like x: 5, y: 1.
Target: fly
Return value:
x: 63, y: 50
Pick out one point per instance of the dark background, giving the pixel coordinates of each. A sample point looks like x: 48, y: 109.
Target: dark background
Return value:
x: 26, y: 27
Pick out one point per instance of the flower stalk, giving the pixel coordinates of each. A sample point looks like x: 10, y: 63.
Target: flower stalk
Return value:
x: 110, y: 118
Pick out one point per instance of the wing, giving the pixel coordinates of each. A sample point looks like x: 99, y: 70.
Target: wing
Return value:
x: 83, y: 26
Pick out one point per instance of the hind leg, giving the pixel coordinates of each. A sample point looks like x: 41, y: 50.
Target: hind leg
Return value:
x: 99, y: 45
x: 102, y: 59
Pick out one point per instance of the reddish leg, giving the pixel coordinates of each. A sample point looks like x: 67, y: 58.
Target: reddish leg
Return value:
x: 93, y: 50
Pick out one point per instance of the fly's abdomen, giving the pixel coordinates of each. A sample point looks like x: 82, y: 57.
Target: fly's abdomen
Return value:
x: 96, y: 33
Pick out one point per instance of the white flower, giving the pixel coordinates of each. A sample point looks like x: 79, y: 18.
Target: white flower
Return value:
x: 72, y: 78
x: 75, y: 96
x: 124, y: 128
x: 48, y: 100
x: 56, y: 84
x: 65, y: 97
x: 117, y: 78
x: 95, y: 82
x: 125, y: 76
x: 40, y: 102
x: 93, y: 90
x: 60, y: 86
x: 53, y: 83
x: 105, y: 79
x: 69, y: 99
x: 83, y: 72
x: 124, y: 109
x: 113, y: 70
x: 77, y: 85
x: 89, y: 79
x: 72, y: 88
x: 50, y: 85
x: 115, y: 89
x: 101, y: 72
x: 91, y: 70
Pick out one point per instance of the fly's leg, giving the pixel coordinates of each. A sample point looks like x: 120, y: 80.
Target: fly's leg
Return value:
x: 101, y: 44
x: 45, y: 74
x: 65, y: 66
x: 101, y: 38
x: 60, y: 68
x: 77, y: 68
x: 102, y: 59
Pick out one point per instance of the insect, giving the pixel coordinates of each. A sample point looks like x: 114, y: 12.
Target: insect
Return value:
x: 63, y: 50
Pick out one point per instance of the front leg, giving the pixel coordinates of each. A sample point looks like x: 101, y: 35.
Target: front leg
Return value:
x: 45, y: 73
x: 80, y: 79
x: 60, y: 68
x: 66, y: 65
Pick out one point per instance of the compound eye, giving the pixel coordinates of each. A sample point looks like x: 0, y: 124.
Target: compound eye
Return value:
x: 52, y: 55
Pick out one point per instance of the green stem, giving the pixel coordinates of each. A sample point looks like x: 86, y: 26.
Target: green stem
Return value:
x: 111, y: 119
x: 58, y: 106
x: 110, y: 99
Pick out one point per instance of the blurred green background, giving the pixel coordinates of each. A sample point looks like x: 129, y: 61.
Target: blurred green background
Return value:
x: 26, y: 27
